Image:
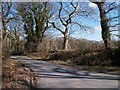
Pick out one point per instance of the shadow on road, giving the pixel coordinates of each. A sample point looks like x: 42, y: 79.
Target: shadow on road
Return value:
x: 48, y: 70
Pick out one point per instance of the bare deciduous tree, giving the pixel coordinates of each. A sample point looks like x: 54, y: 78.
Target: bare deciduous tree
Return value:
x: 6, y: 17
x: 35, y: 17
x: 105, y: 21
x: 65, y: 16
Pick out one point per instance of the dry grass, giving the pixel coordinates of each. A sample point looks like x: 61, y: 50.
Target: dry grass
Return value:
x: 16, y: 75
x: 39, y: 54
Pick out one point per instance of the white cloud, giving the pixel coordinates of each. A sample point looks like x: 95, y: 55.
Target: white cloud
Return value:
x: 97, y: 28
x: 92, y: 5
x: 53, y: 16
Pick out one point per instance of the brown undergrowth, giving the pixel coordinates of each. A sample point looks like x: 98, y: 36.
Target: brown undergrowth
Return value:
x: 17, y: 75
x: 89, y: 59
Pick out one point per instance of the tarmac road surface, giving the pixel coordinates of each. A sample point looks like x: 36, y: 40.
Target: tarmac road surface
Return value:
x: 52, y: 75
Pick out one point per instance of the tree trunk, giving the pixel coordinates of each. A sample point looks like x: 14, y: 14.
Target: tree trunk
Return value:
x: 66, y: 38
x: 104, y: 25
x: 4, y: 35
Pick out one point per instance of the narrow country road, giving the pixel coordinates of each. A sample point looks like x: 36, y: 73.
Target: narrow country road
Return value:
x: 59, y: 76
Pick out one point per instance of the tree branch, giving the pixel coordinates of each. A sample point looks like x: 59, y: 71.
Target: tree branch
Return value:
x: 115, y: 25
x: 81, y: 26
x: 115, y: 35
x: 46, y: 27
x: 113, y: 18
x: 61, y: 6
x: 113, y: 30
x: 110, y: 9
x: 70, y: 15
x: 8, y: 11
x: 56, y: 27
